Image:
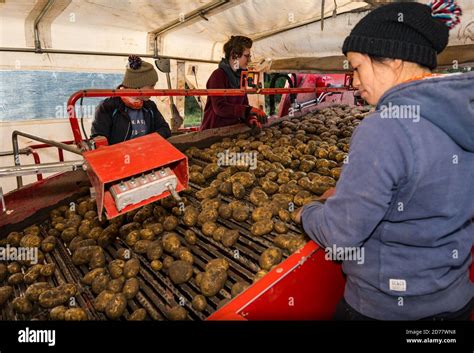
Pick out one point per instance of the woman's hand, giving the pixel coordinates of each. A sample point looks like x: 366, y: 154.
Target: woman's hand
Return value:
x: 327, y: 194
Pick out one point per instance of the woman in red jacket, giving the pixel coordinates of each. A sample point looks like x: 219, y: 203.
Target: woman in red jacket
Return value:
x: 221, y: 110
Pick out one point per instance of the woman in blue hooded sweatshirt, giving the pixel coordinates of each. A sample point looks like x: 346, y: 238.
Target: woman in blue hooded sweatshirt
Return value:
x: 406, y: 194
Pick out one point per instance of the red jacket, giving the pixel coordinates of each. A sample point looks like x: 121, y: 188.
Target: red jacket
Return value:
x: 221, y: 110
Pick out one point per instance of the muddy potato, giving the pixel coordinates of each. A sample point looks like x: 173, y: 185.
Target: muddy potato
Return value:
x: 269, y: 186
x: 217, y: 263
x: 138, y: 315
x: 90, y: 215
x: 89, y: 277
x: 131, y: 288
x: 238, y: 190
x: 336, y: 173
x: 207, y: 193
x: 171, y: 242
x: 97, y: 258
x: 14, y: 238
x: 47, y: 270
x: 258, y: 197
x: 123, y: 254
x: 132, y: 237
x: 100, y: 283
x: 259, y: 275
x: 75, y: 314
x: 80, y: 242
x: 131, y: 268
x: 143, y: 214
x: 60, y: 227
x: 230, y: 237
x: 141, y: 246
x: 210, y: 170
x: 33, y: 292
x: 127, y: 228
x: 116, y: 268
x: 198, y: 278
x: 301, y: 197
x: 84, y: 230
x: 48, y: 244
x: 261, y: 214
x: 211, y: 203
x: 199, y: 302
x: 154, y: 251
x: 14, y: 267
x: 213, y: 281
x: 30, y: 241
x: 116, y: 306
x: 33, y: 229
x: 57, y: 313
x: 269, y: 258
x: 147, y: 234
x: 22, y: 305
x: 15, y: 279
x: 208, y: 228
x: 170, y: 223
x: 68, y: 234
x: 116, y: 285
x: 100, y: 303
x: 32, y: 274
x: 240, y: 215
x: 167, y: 262
x: 190, y: 216
x: 185, y: 255
x: 53, y: 297
x: 197, y: 178
x: 261, y: 228
x: 280, y: 227
x: 245, y: 178
x: 225, y: 188
x: 180, y: 272
x: 190, y: 237
x: 5, y: 293
x: 238, y: 288
x: 3, y: 272
x: 177, y: 313
x: 225, y: 211
x: 156, y: 265
x: 82, y: 256
x: 218, y: 233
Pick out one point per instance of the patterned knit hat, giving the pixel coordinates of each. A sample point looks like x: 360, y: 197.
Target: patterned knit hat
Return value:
x: 139, y: 73
x: 409, y: 31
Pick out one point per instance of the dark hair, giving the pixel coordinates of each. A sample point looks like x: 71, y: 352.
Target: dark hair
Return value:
x: 236, y: 45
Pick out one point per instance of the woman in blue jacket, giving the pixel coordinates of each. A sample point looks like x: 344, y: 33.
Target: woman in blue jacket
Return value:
x: 406, y: 194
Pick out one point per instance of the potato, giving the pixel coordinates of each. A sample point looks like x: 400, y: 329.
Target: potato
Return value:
x: 123, y: 254
x: 22, y: 305
x: 167, y: 262
x: 89, y: 277
x: 269, y: 258
x: 33, y: 229
x: 32, y: 274
x: 170, y: 223
x: 116, y: 306
x: 268, y: 186
x: 82, y: 256
x: 240, y: 215
x: 230, y: 237
x: 142, y: 214
x: 100, y: 303
x: 100, y: 283
x: 219, y: 262
x: 156, y: 228
x: 57, y: 313
x: 261, y: 228
x: 177, y: 313
x: 5, y: 293
x: 138, y: 315
x: 33, y: 292
x: 141, y: 246
x: 69, y: 289
x: 47, y: 269
x: 171, y: 242
x: 154, y: 251
x: 15, y: 279
x: 190, y: 237
x: 238, y: 190
x: 185, y: 255
x: 284, y: 215
x: 14, y: 239
x: 180, y: 272
x: 207, y: 193
x: 30, y: 241
x: 48, y: 244
x: 213, y: 280
x: 197, y: 178
x: 225, y: 188
x: 258, y: 197
x: 245, y: 178
x: 3, y: 272
x: 127, y: 228
x: 280, y: 227
x: 190, y: 216
x: 218, y: 233
x: 97, y: 258
x: 131, y: 288
x: 259, y: 275
x: 211, y: 203
x: 131, y: 268
x: 208, y: 228
x: 84, y: 229
x: 198, y: 278
x: 225, y: 211
x: 75, y: 314
x: 207, y: 215
x: 68, y: 234
x: 199, y: 302
x: 53, y: 297
x: 148, y: 234
x: 132, y: 237
x: 262, y: 214
x: 116, y: 285
x: 14, y: 267
x: 238, y: 288
x: 156, y: 265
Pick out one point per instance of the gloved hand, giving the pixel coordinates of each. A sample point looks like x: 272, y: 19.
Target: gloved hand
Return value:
x: 254, y: 124
x: 260, y: 114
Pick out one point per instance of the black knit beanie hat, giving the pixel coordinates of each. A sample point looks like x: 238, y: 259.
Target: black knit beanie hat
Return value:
x: 409, y: 31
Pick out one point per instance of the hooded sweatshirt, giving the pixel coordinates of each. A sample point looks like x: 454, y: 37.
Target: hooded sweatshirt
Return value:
x: 406, y: 198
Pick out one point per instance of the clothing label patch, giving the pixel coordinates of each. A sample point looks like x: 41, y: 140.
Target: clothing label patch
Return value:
x: 399, y: 285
